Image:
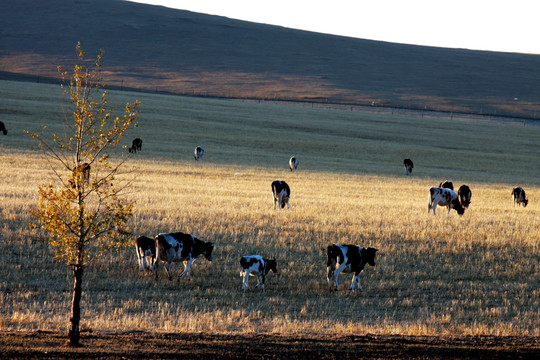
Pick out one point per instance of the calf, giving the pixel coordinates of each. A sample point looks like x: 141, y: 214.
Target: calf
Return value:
x: 347, y: 259
x: 293, y: 163
x: 281, y: 193
x: 3, y: 128
x: 256, y: 265
x: 464, y: 194
x: 146, y: 252
x: 446, y: 185
x: 136, y: 145
x: 198, y: 153
x: 518, y: 194
x: 444, y: 197
x: 176, y: 247
x: 408, y: 165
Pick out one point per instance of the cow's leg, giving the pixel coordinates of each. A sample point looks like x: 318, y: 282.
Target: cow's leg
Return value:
x: 356, y: 278
x: 275, y: 201
x: 245, y: 282
x: 187, y: 269
x: 168, y: 268
x: 336, y: 273
x: 156, y: 268
x: 330, y: 277
x: 287, y: 203
x: 280, y: 199
x: 263, y: 278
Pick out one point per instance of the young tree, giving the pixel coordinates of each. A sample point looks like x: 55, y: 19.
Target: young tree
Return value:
x: 82, y: 208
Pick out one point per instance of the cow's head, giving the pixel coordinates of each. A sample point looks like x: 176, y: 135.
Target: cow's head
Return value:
x: 207, y: 252
x: 271, y: 264
x: 370, y: 253
x: 457, y: 206
x: 525, y: 202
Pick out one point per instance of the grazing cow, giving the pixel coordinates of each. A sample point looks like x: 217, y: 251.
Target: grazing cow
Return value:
x: 256, y: 265
x: 293, y: 163
x: 518, y: 194
x: 444, y: 197
x: 408, y: 165
x: 281, y: 193
x: 136, y: 145
x: 464, y: 194
x: 146, y: 252
x: 446, y: 185
x: 347, y: 259
x: 176, y: 247
x: 80, y: 175
x: 199, y: 152
x: 3, y: 128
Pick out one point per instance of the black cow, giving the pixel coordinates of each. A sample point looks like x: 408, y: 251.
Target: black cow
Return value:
x: 464, y: 194
x: 3, y: 128
x: 281, y: 193
x: 136, y: 145
x: 146, y: 252
x: 408, y: 165
x: 198, y: 153
x: 347, y: 259
x: 518, y: 194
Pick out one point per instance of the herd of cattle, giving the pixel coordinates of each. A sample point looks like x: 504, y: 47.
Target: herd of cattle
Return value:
x: 180, y: 247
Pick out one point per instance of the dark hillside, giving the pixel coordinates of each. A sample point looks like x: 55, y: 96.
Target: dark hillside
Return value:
x: 155, y: 48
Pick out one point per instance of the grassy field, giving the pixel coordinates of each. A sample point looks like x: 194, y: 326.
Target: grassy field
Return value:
x: 436, y: 275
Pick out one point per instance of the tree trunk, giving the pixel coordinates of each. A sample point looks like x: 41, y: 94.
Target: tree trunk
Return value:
x: 74, y: 334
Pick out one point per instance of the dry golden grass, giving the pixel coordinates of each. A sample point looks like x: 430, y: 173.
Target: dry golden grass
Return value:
x: 444, y: 275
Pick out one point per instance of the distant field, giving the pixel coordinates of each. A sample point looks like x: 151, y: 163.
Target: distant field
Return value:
x: 436, y: 275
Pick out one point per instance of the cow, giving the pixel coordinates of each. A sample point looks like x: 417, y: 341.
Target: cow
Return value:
x: 518, y: 194
x: 256, y: 265
x: 464, y: 194
x: 446, y: 185
x: 146, y: 252
x: 444, y: 197
x: 293, y: 163
x: 3, y: 128
x: 347, y: 259
x: 281, y: 193
x: 198, y: 153
x: 82, y: 173
x: 136, y: 145
x: 408, y: 165
x: 176, y: 247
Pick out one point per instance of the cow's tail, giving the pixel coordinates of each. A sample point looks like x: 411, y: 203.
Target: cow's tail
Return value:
x: 330, y: 254
x: 158, y: 255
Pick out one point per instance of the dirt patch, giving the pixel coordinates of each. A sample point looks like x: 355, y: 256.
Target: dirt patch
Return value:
x: 139, y: 345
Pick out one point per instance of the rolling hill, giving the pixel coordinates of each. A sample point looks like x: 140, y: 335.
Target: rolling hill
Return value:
x: 154, y: 48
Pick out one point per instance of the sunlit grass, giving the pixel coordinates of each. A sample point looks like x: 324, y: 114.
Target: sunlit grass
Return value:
x: 436, y: 275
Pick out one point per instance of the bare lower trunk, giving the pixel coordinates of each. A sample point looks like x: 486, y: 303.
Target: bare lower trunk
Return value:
x: 74, y: 334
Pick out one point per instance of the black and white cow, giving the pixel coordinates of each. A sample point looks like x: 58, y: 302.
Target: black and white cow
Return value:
x: 256, y: 265
x: 408, y: 165
x: 347, y: 259
x: 518, y: 194
x: 465, y: 195
x: 146, y: 252
x: 3, y: 128
x: 444, y: 197
x: 446, y: 185
x: 281, y: 193
x: 293, y: 163
x: 136, y: 145
x: 176, y: 247
x: 198, y: 153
